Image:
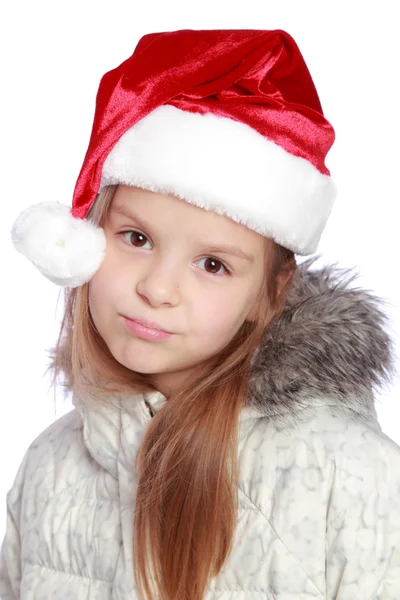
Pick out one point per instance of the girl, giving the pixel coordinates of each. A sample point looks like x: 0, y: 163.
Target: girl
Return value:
x: 224, y: 442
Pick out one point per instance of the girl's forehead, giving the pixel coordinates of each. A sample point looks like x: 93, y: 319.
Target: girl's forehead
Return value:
x: 129, y: 198
x: 167, y: 215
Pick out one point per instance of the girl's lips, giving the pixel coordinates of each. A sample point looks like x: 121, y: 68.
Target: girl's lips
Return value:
x: 145, y: 332
x: 150, y: 325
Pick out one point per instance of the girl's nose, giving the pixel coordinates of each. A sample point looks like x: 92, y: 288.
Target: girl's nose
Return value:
x: 159, y: 285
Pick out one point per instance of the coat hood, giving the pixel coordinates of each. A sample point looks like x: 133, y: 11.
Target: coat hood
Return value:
x: 330, y: 344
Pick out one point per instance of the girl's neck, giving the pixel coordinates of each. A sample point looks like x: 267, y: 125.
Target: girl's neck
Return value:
x: 169, y: 383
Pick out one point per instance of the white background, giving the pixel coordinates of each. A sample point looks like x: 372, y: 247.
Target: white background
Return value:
x: 52, y: 57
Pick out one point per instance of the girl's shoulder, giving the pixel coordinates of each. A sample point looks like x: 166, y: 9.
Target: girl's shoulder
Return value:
x: 54, y: 460
x: 59, y: 431
x: 58, y: 442
x: 320, y: 450
x: 323, y: 487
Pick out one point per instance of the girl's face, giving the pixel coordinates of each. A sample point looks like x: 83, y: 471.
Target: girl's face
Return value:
x: 179, y: 267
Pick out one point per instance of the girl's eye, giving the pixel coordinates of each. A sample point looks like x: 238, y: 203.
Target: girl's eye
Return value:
x: 135, y: 238
x: 214, y: 265
x: 138, y: 240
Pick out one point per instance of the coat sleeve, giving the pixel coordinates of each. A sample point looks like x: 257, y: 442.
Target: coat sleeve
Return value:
x: 363, y: 531
x: 10, y: 554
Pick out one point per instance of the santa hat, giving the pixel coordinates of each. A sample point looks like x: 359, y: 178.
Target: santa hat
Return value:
x: 228, y: 120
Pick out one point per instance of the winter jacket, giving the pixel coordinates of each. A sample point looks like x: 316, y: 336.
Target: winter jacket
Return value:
x: 319, y: 488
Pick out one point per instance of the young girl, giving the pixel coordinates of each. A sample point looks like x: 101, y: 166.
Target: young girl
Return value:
x: 224, y: 442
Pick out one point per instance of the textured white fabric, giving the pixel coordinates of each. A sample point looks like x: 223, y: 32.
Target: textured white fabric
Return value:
x: 66, y: 250
x: 319, y: 512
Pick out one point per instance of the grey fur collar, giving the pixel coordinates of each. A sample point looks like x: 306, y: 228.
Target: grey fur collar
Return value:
x: 330, y: 342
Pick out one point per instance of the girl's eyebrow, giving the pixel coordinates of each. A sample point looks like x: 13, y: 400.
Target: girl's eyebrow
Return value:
x: 125, y: 213
x: 228, y: 249
x: 222, y: 248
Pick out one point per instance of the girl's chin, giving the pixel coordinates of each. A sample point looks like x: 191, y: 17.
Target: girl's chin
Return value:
x: 147, y: 369
x: 144, y: 367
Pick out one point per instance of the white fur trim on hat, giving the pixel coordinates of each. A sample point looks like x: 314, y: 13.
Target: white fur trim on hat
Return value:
x: 68, y: 251
x: 225, y: 166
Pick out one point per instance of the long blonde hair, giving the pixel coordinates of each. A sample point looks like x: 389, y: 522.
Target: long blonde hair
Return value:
x: 186, y: 502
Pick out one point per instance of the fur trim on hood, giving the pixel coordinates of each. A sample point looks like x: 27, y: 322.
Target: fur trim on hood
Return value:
x: 329, y: 343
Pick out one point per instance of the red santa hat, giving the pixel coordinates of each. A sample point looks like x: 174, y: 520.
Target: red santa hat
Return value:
x: 228, y: 120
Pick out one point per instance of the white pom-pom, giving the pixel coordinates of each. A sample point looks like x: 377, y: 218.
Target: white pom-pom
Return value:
x: 67, y: 250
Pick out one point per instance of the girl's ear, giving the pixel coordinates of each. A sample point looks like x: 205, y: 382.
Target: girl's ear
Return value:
x: 283, y: 278
x: 253, y: 314
x: 286, y: 274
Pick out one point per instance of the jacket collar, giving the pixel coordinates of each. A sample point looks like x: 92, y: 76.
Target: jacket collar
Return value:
x: 329, y: 346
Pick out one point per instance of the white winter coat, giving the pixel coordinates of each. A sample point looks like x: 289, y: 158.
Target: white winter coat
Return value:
x: 319, y: 490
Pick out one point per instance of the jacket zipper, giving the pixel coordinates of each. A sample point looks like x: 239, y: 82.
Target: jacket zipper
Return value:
x: 149, y: 408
